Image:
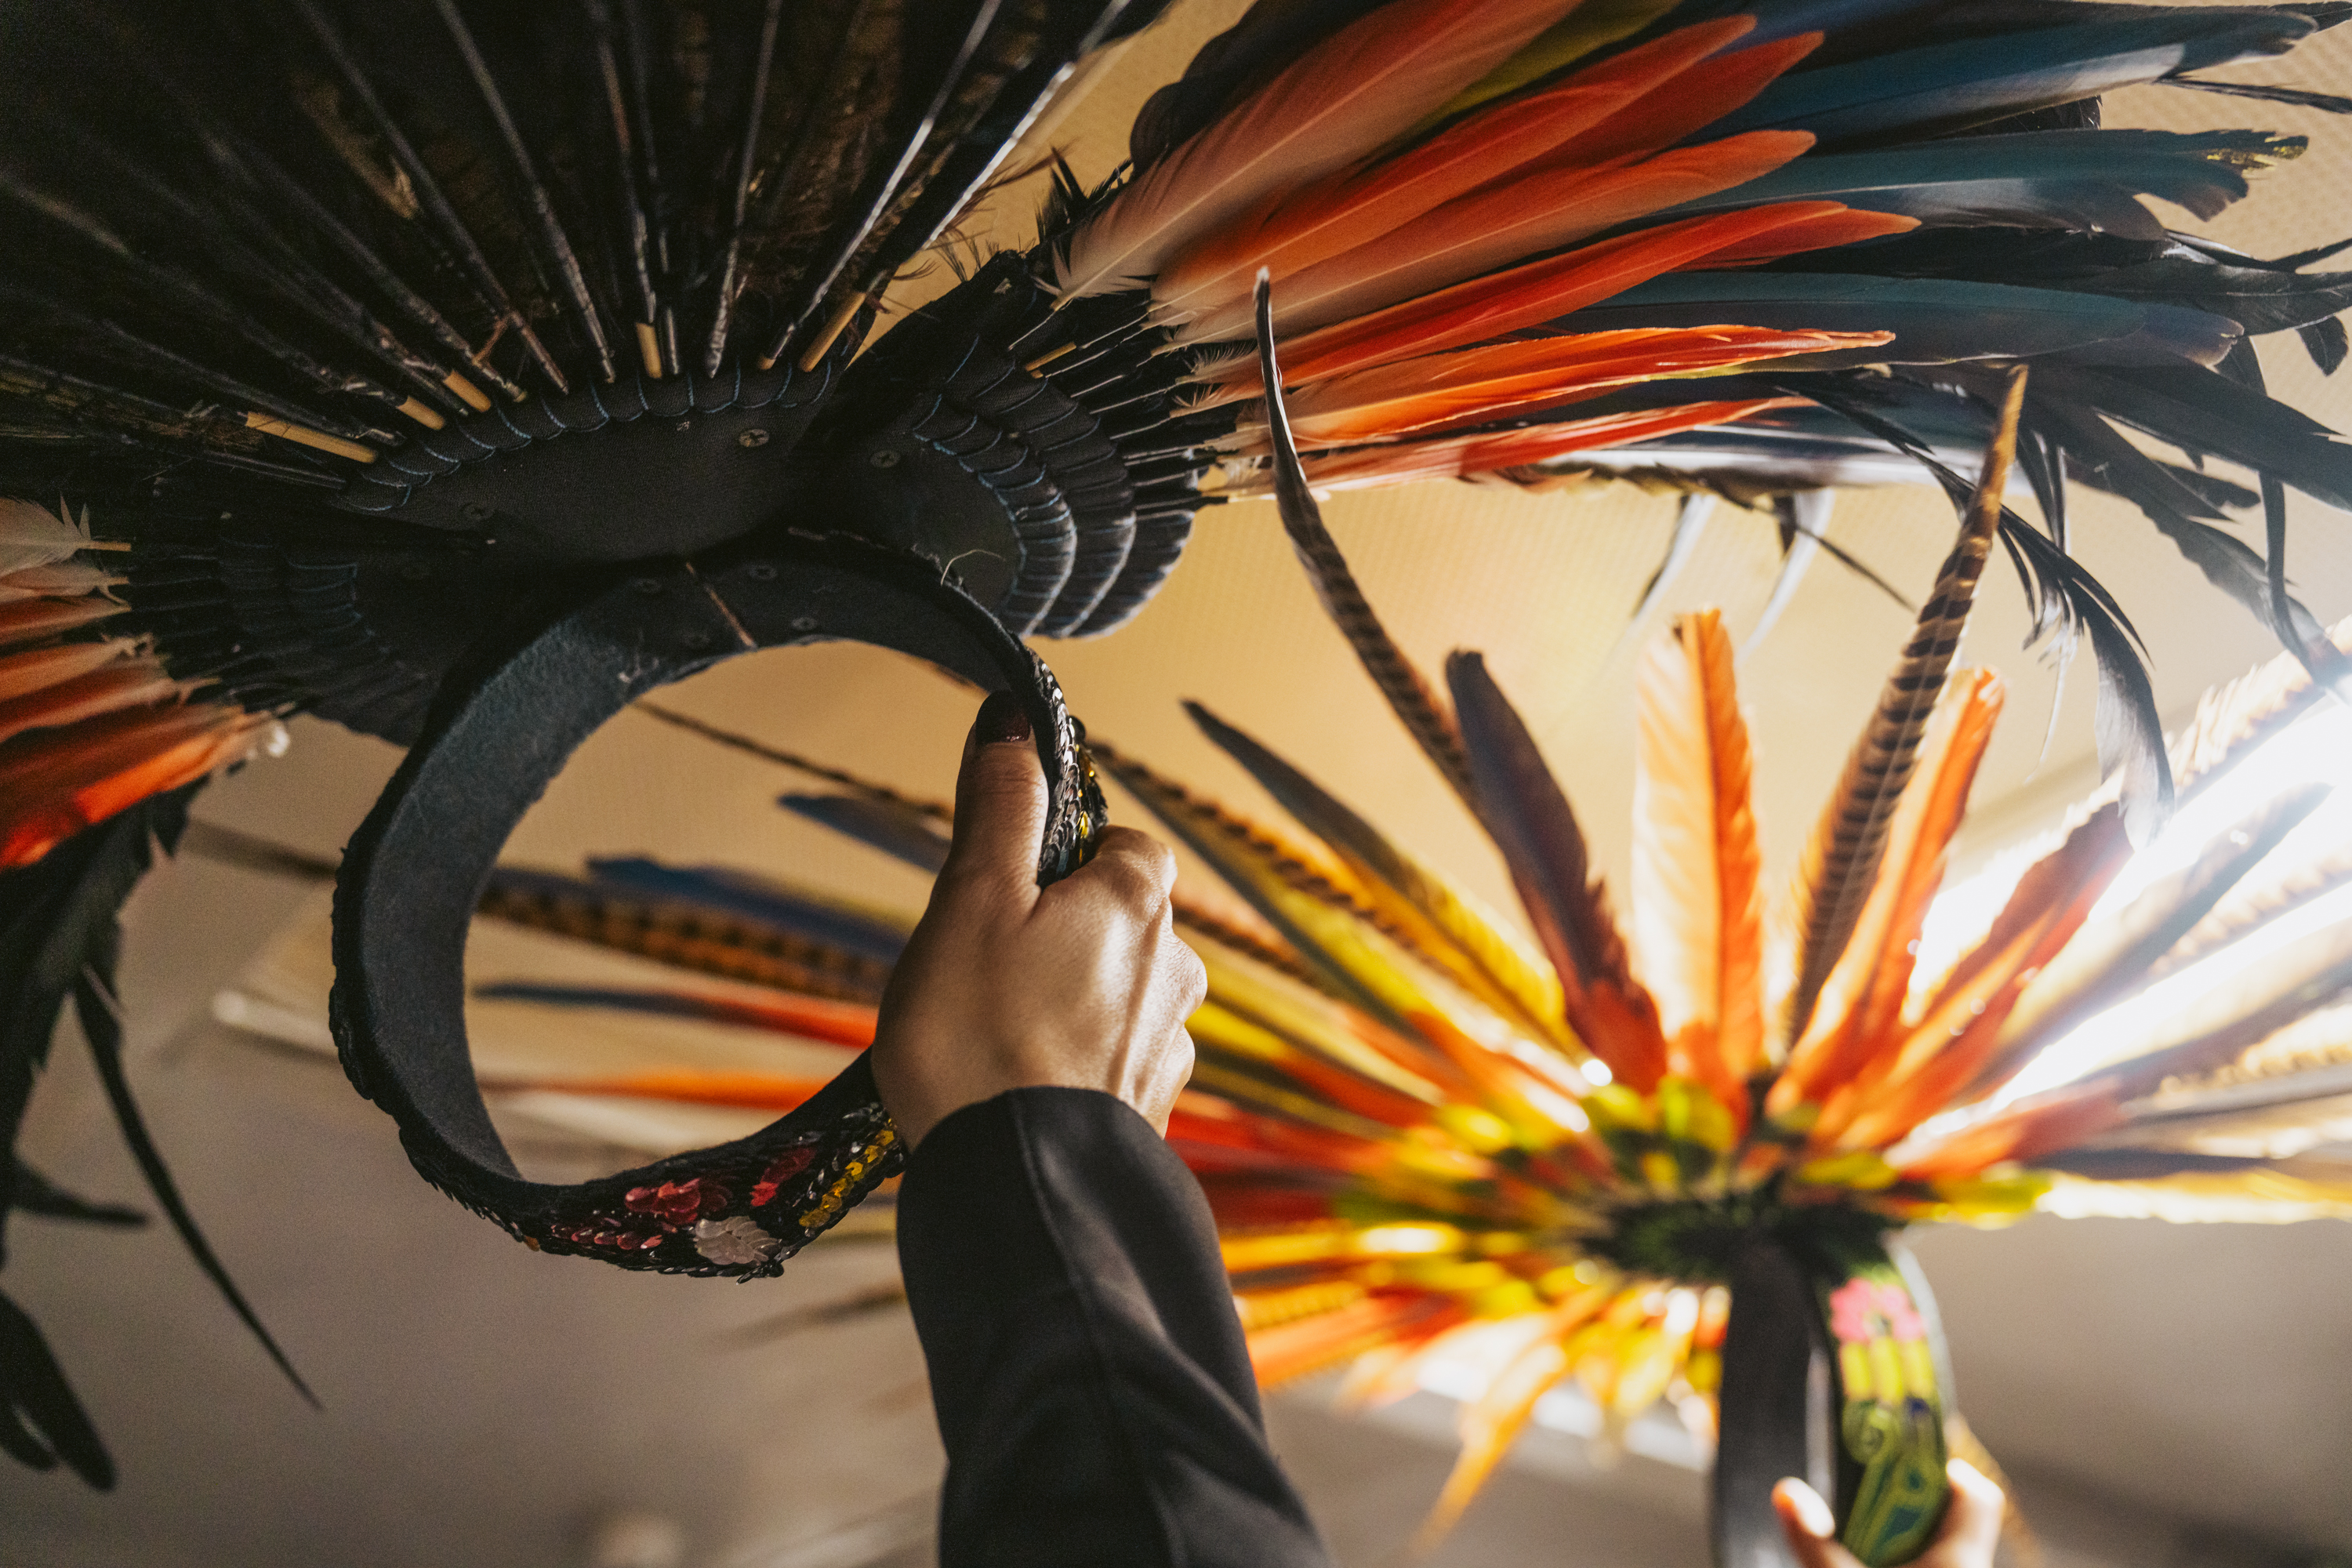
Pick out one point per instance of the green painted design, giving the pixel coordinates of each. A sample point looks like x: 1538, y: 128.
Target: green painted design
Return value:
x: 1891, y: 1408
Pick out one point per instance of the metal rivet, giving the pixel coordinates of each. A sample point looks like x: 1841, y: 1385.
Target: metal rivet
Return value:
x: 753, y: 438
x: 803, y: 623
x: 760, y: 572
x: 883, y: 458
x: 696, y: 639
x: 478, y: 512
x: 649, y: 586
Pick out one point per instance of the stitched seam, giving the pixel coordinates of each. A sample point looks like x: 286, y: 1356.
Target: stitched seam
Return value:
x: 1104, y: 1382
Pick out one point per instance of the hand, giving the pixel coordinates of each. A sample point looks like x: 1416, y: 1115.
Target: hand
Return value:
x: 1005, y: 984
x: 1971, y: 1525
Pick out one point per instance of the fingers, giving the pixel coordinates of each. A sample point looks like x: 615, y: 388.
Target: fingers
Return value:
x: 1139, y: 866
x: 1972, y: 1524
x: 1001, y: 803
x: 1810, y: 1526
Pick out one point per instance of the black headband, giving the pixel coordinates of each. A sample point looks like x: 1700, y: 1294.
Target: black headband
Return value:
x: 1834, y: 1371
x: 499, y: 734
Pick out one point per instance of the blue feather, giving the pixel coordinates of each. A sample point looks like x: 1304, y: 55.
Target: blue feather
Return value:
x: 897, y: 831
x: 2057, y: 179
x: 742, y: 893
x: 1949, y: 86
x: 1934, y: 320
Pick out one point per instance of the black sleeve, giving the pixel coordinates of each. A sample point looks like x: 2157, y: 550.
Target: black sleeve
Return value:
x: 1090, y: 1377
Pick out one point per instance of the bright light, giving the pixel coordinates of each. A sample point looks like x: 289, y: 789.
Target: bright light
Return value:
x: 1598, y: 1072
x: 2317, y: 748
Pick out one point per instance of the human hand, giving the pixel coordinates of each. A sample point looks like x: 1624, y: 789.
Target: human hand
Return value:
x: 1971, y: 1525
x: 1005, y: 984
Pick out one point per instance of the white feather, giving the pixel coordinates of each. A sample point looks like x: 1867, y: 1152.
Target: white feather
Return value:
x: 31, y: 537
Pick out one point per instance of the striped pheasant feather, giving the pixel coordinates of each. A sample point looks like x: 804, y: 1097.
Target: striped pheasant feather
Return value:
x: 1841, y: 859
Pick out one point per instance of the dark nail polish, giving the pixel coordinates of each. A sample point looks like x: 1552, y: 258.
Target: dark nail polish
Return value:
x: 1001, y: 718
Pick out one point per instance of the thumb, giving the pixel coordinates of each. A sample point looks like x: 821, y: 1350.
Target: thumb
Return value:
x: 1001, y: 805
x: 1809, y: 1525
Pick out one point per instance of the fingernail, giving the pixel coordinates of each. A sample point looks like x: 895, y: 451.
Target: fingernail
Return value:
x: 1002, y: 719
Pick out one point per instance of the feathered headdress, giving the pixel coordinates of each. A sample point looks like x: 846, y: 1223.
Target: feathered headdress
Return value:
x: 1651, y: 1158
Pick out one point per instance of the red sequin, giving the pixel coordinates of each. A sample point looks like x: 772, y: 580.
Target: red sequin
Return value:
x: 677, y: 1204
x: 790, y: 1164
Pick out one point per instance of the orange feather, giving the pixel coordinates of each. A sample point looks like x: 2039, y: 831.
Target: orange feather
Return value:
x: 1678, y: 109
x: 1211, y: 1132
x: 52, y: 786
x: 28, y: 619
x: 689, y: 1085
x: 1698, y: 919
x: 1292, y: 1350
x: 1544, y: 290
x: 1503, y: 224
x: 2024, y: 1132
x: 1862, y: 998
x: 1345, y: 98
x: 1477, y: 386
x: 134, y: 683
x: 1961, y: 1031
x: 1359, y: 205
x: 1840, y: 226
x: 26, y: 672
x: 1454, y: 456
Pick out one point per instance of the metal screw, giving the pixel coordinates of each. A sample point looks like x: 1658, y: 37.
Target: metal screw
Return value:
x: 696, y: 639
x: 478, y: 512
x: 760, y: 572
x: 649, y: 586
x: 883, y: 458
x: 750, y: 439
x: 803, y: 623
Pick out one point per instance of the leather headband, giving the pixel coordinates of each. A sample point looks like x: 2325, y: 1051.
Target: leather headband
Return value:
x: 499, y: 731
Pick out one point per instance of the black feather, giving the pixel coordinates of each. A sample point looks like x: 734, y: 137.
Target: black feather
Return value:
x: 2301, y: 97
x: 102, y: 1025
x: 2326, y: 342
x: 41, y: 1422
x: 36, y: 1194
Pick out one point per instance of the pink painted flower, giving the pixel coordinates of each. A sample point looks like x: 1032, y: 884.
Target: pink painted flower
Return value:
x: 1864, y: 1310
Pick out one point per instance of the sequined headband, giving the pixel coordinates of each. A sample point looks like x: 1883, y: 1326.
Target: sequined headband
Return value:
x: 497, y: 736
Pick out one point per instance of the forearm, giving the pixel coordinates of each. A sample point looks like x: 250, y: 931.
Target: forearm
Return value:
x: 1091, y: 1380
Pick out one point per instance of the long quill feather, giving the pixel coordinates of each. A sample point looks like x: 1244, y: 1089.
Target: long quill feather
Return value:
x: 1841, y: 861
